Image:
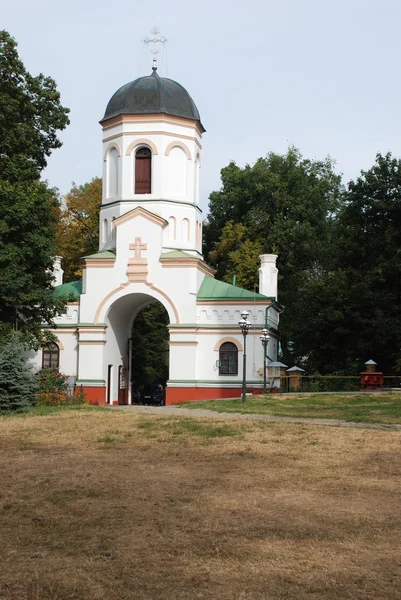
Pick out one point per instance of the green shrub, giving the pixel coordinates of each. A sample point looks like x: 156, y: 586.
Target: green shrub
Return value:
x: 53, y: 387
x: 18, y: 386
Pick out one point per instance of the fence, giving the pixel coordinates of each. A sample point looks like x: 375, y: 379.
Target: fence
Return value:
x: 327, y: 383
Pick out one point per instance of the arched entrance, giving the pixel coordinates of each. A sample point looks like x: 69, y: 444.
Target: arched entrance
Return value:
x: 136, y: 350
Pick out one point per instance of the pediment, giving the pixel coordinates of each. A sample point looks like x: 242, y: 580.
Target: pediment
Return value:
x: 140, y: 212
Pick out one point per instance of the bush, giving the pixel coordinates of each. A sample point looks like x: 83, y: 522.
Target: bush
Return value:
x: 53, y: 387
x: 18, y: 386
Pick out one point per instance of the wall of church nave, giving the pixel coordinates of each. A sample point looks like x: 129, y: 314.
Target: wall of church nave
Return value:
x: 226, y: 314
x: 68, y: 355
x: 71, y: 315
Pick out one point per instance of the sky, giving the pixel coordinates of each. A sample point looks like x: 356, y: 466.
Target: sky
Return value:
x: 322, y: 75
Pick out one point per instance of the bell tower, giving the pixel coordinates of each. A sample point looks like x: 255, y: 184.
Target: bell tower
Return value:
x: 152, y: 141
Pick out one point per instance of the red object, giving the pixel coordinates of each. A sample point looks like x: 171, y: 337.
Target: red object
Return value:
x: 95, y: 395
x: 180, y: 395
x: 371, y: 380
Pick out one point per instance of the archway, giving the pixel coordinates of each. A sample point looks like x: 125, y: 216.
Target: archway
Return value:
x: 136, y: 342
x: 150, y: 354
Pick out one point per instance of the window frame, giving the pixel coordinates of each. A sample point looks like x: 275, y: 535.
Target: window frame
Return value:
x: 150, y: 158
x: 228, y: 370
x: 46, y: 350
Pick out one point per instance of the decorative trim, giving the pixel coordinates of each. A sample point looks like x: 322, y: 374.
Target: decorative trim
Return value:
x: 99, y: 263
x: 125, y: 285
x: 173, y: 306
x: 140, y: 212
x: 91, y: 342
x: 241, y: 301
x: 141, y: 142
x: 172, y: 343
x: 137, y: 269
x: 146, y: 118
x: 112, y: 145
x: 167, y: 133
x: 92, y: 382
x: 178, y: 145
x: 135, y: 201
x: 229, y: 339
x: 182, y: 263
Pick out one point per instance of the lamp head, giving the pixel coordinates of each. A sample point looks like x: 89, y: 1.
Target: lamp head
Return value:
x: 245, y: 315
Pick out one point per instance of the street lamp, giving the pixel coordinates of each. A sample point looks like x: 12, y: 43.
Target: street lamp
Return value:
x: 244, y: 324
x: 264, y: 338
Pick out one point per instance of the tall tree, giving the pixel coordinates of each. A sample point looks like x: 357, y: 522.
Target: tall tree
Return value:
x: 370, y: 256
x: 283, y: 204
x: 78, y: 228
x: 30, y: 116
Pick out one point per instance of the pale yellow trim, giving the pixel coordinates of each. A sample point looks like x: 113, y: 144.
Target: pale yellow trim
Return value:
x: 178, y: 145
x: 183, y: 343
x: 243, y: 302
x: 124, y: 285
x: 228, y: 339
x: 162, y: 118
x: 59, y: 344
x: 140, y: 212
x: 173, y: 306
x: 141, y: 142
x: 100, y: 329
x: 91, y: 342
x: 183, y: 263
x: 99, y: 263
x: 217, y: 330
x: 73, y: 303
x: 168, y: 133
x: 72, y: 329
x: 112, y: 145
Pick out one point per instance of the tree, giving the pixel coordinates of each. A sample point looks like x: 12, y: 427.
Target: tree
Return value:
x: 78, y: 228
x: 30, y: 116
x: 17, y: 382
x: 150, y: 345
x: 369, y: 253
x: 283, y: 204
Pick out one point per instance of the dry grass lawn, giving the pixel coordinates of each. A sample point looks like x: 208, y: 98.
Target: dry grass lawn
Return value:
x: 116, y: 505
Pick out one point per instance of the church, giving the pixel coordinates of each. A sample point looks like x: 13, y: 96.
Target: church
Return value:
x: 150, y: 250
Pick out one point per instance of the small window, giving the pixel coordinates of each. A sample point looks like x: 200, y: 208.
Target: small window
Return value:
x: 51, y: 356
x: 143, y: 171
x: 228, y: 355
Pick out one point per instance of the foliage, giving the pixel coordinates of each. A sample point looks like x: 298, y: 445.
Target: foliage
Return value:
x: 150, y: 346
x: 78, y: 228
x: 30, y: 115
x: 17, y: 382
x: 54, y: 389
x: 283, y: 204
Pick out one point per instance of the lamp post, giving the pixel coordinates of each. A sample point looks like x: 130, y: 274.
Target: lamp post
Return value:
x: 244, y: 324
x: 264, y: 338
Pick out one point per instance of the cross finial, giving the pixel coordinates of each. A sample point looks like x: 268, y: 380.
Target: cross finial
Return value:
x: 155, y: 38
x: 138, y: 247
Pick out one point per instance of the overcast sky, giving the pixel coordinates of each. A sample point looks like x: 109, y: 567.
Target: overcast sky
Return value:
x: 323, y: 75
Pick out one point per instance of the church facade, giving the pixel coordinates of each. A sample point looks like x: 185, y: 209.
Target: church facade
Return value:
x: 150, y: 250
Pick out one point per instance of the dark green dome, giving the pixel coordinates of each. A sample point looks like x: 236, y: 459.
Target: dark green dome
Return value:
x: 152, y: 95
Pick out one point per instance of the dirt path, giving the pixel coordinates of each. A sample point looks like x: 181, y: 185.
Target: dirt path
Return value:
x: 198, y: 412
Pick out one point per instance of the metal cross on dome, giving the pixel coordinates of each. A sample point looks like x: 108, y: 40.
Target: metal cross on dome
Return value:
x: 155, y: 38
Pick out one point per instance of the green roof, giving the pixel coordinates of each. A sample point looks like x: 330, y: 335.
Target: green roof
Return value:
x: 212, y: 289
x: 102, y: 254
x: 68, y: 290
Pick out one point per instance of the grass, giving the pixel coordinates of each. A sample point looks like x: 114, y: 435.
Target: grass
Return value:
x: 368, y: 408
x: 100, y: 505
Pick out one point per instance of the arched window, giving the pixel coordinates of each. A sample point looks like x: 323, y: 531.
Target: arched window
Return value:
x: 51, y: 356
x: 105, y: 227
x: 228, y: 355
x: 143, y: 171
x: 172, y: 228
x: 112, y: 173
x: 185, y: 230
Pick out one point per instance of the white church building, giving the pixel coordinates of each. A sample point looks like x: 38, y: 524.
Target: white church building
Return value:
x: 150, y: 250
